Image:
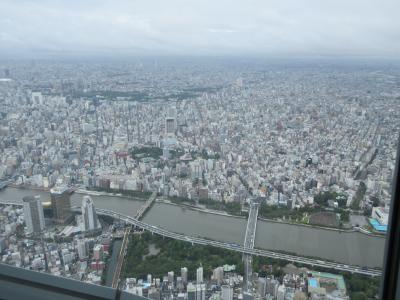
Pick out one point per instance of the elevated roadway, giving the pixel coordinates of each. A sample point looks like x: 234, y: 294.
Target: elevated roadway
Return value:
x: 121, y: 258
x: 249, y: 241
x: 235, y: 247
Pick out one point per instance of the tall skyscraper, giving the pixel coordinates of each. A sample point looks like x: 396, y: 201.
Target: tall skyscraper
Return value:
x: 171, y: 277
x: 170, y: 121
x: 33, y: 213
x: 89, y: 216
x: 169, y: 126
x: 184, y: 275
x: 61, y: 204
x: 199, y: 275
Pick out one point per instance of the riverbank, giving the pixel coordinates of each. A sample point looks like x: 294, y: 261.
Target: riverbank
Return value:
x: 358, y: 229
x: 107, y: 194
x: 112, y: 194
x: 28, y: 187
x: 200, y: 209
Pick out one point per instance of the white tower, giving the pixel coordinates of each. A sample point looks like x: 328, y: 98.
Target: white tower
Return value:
x: 199, y: 275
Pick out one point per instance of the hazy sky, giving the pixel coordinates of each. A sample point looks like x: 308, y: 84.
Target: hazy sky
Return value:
x: 217, y: 27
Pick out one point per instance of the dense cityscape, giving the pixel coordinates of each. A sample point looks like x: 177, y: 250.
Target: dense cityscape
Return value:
x: 311, y: 145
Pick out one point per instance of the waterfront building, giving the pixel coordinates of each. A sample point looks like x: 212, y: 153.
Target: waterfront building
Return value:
x: 33, y: 214
x: 61, y: 204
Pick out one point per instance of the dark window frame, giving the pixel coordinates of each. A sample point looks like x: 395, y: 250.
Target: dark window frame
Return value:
x: 390, y: 271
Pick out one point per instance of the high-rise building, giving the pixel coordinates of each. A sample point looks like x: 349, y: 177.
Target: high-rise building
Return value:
x: 61, y: 204
x: 89, y: 216
x: 171, y: 277
x: 199, y: 275
x: 33, y: 213
x: 184, y: 275
x: 179, y: 283
x: 195, y: 169
x: 169, y: 126
x: 170, y: 121
x: 226, y: 292
x: 218, y: 274
x: 82, y: 249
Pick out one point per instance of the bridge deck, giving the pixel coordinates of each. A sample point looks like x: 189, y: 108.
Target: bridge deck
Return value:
x: 249, y: 243
x: 146, y: 206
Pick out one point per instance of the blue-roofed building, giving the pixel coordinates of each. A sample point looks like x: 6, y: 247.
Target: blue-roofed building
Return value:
x: 377, y: 226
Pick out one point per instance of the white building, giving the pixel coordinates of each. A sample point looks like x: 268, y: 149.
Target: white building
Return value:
x: 33, y: 214
x: 199, y: 275
x: 381, y: 214
x: 184, y: 274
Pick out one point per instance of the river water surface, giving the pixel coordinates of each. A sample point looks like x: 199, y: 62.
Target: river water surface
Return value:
x: 345, y: 247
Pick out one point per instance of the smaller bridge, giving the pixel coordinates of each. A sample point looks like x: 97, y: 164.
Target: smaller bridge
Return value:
x: 140, y: 213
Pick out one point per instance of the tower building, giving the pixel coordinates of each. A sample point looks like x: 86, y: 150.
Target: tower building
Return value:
x: 61, y: 204
x: 33, y: 213
x: 89, y: 216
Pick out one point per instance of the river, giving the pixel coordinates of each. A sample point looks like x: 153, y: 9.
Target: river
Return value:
x: 345, y: 247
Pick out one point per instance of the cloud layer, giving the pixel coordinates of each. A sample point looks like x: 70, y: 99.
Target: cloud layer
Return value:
x: 205, y: 27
